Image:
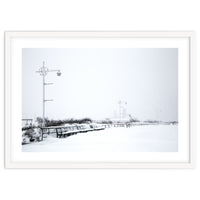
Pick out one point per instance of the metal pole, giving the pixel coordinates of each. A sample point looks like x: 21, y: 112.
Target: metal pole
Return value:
x: 43, y: 71
x: 120, y: 110
x: 43, y: 97
x: 43, y: 101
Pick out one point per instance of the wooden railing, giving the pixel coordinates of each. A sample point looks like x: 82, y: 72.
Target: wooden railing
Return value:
x: 63, y: 131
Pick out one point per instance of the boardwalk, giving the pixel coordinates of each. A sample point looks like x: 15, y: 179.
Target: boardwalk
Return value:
x: 151, y: 138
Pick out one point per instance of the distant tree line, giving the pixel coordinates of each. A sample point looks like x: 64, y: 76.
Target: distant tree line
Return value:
x: 28, y: 127
x: 152, y: 121
x: 106, y: 121
x: 52, y: 122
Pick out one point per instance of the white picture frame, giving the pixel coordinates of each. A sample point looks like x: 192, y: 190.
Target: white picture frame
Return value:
x: 13, y: 40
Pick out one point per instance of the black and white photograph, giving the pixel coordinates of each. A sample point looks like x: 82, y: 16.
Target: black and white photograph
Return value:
x: 99, y: 100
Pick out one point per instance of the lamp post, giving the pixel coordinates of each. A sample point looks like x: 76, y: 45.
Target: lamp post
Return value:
x: 43, y: 71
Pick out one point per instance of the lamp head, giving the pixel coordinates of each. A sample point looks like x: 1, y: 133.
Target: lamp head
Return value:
x: 58, y: 73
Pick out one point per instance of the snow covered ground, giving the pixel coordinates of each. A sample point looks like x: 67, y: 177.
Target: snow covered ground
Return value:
x: 146, y: 138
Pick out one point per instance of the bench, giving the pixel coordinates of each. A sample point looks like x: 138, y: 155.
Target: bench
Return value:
x: 63, y: 131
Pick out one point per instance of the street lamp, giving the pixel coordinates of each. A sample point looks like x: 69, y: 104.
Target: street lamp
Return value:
x: 43, y: 71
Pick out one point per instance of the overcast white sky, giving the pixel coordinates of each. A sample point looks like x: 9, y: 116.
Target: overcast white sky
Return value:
x: 93, y: 80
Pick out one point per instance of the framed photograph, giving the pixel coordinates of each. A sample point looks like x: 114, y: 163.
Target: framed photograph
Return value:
x: 99, y: 99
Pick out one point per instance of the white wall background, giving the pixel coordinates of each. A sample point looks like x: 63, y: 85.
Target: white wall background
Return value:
x: 98, y: 15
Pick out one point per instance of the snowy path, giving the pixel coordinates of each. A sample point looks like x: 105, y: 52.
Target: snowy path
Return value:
x: 150, y: 138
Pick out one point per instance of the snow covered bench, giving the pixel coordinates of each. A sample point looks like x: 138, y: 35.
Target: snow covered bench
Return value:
x: 63, y: 132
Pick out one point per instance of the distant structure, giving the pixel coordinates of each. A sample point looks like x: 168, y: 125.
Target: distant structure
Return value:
x: 122, y: 109
x: 115, y: 114
x: 120, y: 113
